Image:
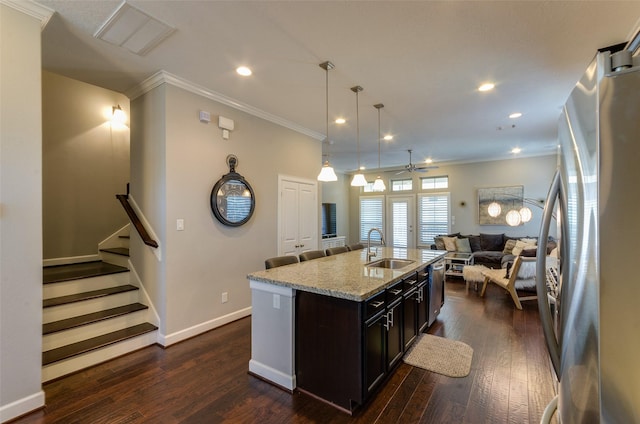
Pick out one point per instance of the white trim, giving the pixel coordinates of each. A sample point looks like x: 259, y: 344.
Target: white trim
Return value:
x: 164, y: 77
x: 21, y: 406
x: 31, y: 8
x: 114, y: 239
x: 70, y: 260
x: 156, y: 251
x: 272, y: 374
x: 135, y: 278
x: 178, y: 336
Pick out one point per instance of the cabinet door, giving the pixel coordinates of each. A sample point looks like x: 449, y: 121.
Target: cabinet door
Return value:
x: 422, y: 305
x: 374, y: 351
x: 410, y: 321
x: 394, y: 334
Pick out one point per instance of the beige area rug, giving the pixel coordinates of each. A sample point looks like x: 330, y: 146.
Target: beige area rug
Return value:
x: 443, y: 356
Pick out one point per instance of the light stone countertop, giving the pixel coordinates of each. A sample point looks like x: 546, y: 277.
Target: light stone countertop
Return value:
x: 345, y: 275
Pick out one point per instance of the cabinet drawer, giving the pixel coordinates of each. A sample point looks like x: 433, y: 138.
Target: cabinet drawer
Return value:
x: 374, y: 305
x: 394, y: 292
x: 410, y: 282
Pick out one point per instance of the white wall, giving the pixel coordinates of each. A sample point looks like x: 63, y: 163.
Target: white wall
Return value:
x: 534, y: 174
x: 174, y: 169
x: 85, y: 164
x: 20, y: 214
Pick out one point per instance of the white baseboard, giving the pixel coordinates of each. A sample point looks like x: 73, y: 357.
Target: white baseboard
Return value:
x: 272, y: 374
x: 178, y: 336
x: 71, y: 260
x: 21, y: 406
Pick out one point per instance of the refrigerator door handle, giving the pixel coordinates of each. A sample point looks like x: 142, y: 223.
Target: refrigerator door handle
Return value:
x: 555, y: 192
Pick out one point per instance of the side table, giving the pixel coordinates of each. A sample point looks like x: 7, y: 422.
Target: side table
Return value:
x: 455, y: 263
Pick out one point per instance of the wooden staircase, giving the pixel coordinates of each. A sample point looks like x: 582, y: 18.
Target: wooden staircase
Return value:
x: 91, y: 313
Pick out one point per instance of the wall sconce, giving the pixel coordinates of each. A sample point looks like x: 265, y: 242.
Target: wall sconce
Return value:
x: 118, y: 116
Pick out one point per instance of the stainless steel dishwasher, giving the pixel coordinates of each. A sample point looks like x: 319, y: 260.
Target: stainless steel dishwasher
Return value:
x: 436, y: 290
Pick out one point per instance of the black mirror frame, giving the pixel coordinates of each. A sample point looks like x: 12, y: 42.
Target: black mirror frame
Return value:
x: 231, y: 176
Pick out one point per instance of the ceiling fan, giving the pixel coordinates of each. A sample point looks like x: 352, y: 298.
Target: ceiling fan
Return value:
x: 412, y: 167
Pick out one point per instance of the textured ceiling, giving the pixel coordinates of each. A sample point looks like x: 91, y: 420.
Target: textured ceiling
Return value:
x: 423, y: 59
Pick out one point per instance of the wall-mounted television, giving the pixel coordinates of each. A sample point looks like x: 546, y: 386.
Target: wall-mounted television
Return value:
x: 329, y: 220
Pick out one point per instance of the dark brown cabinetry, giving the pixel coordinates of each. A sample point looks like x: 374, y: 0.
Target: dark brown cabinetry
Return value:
x: 346, y: 349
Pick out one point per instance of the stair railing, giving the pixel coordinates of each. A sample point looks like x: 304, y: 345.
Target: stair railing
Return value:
x: 146, y: 238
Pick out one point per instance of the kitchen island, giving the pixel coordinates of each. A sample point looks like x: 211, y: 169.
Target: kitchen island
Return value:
x: 335, y: 327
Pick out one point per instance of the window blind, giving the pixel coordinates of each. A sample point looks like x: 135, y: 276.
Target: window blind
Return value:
x: 400, y: 219
x: 371, y: 215
x: 433, y: 217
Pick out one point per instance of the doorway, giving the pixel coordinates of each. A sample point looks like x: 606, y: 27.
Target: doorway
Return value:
x: 401, y: 221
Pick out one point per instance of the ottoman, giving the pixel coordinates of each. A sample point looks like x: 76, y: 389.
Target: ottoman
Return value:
x: 473, y: 274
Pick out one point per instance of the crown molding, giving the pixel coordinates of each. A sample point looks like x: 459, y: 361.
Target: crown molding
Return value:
x: 163, y: 77
x: 33, y: 9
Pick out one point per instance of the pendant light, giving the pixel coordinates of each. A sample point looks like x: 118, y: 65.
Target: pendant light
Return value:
x: 525, y: 214
x: 378, y: 184
x: 494, y: 209
x: 358, y: 178
x: 327, y: 173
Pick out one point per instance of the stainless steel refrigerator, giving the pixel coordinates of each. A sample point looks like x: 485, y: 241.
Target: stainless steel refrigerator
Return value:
x: 593, y: 330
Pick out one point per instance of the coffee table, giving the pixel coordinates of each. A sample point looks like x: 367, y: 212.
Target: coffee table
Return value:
x: 455, y: 263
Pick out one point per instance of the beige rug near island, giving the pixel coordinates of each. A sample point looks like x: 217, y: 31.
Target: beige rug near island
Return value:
x: 443, y: 356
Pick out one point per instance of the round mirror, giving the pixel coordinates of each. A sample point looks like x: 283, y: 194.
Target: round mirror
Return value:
x: 232, y: 198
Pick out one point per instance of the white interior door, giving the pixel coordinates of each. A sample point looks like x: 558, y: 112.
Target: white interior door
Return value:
x: 401, y: 221
x: 288, y: 218
x: 298, y: 217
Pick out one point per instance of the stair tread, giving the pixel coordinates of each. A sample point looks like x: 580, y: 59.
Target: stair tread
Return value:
x: 93, y: 294
x: 59, y: 273
x: 80, y: 320
x: 122, y: 251
x: 74, y: 349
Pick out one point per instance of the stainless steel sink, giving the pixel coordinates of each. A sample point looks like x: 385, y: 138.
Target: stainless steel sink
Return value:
x: 390, y: 263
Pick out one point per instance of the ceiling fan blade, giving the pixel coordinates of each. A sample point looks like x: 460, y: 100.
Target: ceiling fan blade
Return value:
x: 421, y: 170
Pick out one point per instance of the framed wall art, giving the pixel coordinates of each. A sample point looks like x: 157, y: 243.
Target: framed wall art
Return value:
x: 507, y: 198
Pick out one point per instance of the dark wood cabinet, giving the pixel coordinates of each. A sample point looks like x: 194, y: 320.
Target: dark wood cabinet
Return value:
x: 375, y: 351
x: 422, y: 299
x: 346, y: 349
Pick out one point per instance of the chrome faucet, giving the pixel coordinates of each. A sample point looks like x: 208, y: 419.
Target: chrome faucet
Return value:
x: 371, y: 254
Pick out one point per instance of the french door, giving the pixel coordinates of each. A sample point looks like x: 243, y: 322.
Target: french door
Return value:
x: 401, y: 221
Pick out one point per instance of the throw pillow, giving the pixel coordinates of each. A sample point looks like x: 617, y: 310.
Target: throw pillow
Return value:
x: 439, y: 243
x: 508, y: 247
x: 462, y: 245
x: 529, y: 240
x: 474, y: 241
x: 529, y: 253
x: 520, y: 246
x: 449, y: 243
x: 492, y: 242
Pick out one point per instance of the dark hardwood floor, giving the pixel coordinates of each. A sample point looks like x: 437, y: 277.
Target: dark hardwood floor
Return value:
x: 205, y: 380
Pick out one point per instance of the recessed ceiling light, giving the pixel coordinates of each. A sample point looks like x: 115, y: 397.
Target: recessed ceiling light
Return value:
x: 428, y: 160
x: 516, y: 150
x: 515, y: 115
x: 244, y: 71
x: 388, y: 137
x: 488, y: 86
x: 340, y: 121
x: 362, y: 167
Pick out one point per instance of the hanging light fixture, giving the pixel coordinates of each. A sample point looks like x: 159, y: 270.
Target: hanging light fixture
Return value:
x: 358, y: 178
x: 494, y: 209
x: 525, y: 214
x: 378, y: 184
x: 327, y: 173
x: 513, y: 217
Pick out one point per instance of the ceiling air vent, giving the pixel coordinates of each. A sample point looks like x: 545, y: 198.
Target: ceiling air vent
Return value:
x: 133, y: 29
